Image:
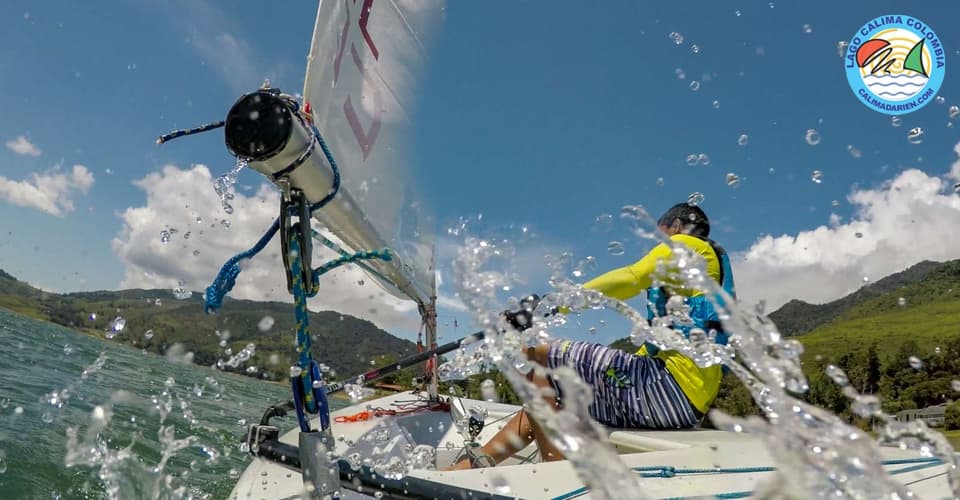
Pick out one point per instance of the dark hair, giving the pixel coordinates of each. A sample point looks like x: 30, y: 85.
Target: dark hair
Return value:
x: 692, y: 218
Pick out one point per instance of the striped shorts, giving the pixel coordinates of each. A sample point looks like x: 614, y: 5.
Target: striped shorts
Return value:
x: 629, y: 391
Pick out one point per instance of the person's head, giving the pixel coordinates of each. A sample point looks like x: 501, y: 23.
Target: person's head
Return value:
x: 684, y: 218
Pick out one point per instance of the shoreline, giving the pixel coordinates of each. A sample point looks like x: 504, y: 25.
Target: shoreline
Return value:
x: 101, y: 336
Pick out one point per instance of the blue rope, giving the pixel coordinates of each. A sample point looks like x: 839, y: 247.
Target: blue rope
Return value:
x: 226, y: 279
x: 189, y: 131
x: 309, y: 395
x: 667, y: 471
x: 347, y: 259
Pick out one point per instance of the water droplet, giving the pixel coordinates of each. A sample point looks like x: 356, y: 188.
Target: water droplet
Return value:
x: 737, y: 13
x: 835, y: 203
x: 93, y: 316
x: 955, y: 385
x: 46, y: 417
x: 733, y: 180
x: 615, y: 248
x: 3, y: 465
x: 842, y: 47
x: 816, y: 176
x: 692, y: 160
x: 158, y: 302
x: 199, y: 220
x: 953, y: 112
x: 225, y: 223
x: 866, y: 279
x: 660, y: 181
x: 164, y: 236
x: 67, y: 349
x: 186, y: 235
x: 181, y: 293
x: 634, y: 212
x: 266, y: 323
x: 716, y: 104
x: 695, y: 198
x: 807, y: 29
x: 681, y: 75
x: 915, y: 135
x: 148, y: 334
x: 837, y: 374
x: 866, y: 405
x: 895, y: 121
x: 196, y: 253
x: 695, y: 49
x: 901, y: 301
x: 676, y: 37
x: 956, y: 188
x: 743, y: 139
x: 936, y: 349
x: 812, y: 137
x: 703, y: 159
x: 858, y: 234
x: 18, y: 411
x: 694, y: 85
x: 772, y: 170
x: 117, y: 324
x: 604, y: 222
x: 915, y: 363
x: 940, y: 99
x: 854, y: 152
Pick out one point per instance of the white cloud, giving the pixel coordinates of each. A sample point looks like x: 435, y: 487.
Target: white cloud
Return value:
x: 177, y: 197
x: 22, y: 146
x: 51, y: 192
x: 906, y: 220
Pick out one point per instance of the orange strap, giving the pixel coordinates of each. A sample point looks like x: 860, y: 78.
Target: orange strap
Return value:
x: 364, y: 415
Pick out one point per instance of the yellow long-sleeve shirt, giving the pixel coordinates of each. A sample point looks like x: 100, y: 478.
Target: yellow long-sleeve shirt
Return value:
x: 699, y: 384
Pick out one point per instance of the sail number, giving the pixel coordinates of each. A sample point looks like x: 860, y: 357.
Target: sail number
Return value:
x: 366, y: 137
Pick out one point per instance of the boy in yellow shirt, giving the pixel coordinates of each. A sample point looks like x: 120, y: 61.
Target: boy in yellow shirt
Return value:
x: 650, y: 389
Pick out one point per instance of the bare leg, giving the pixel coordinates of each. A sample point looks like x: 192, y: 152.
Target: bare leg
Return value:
x: 522, y: 429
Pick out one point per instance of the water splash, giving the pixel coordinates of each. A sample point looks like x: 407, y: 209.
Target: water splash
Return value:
x: 824, y: 455
x: 225, y: 185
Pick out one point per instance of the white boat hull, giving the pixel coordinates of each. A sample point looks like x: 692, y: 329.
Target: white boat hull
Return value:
x: 693, y: 449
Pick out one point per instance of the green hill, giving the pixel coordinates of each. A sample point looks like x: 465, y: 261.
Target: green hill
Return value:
x: 926, y: 312
x: 346, y: 344
x: 798, y: 317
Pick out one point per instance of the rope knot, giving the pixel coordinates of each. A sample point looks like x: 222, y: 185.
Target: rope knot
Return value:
x: 668, y: 471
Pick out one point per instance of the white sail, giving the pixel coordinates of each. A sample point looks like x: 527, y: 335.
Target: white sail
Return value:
x: 361, y: 74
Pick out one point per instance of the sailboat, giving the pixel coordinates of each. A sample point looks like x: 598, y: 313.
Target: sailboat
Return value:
x: 337, y: 154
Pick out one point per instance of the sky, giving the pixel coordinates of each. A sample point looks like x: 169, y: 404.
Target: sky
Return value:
x: 545, y: 115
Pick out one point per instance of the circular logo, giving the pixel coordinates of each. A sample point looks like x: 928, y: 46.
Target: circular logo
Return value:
x: 895, y: 64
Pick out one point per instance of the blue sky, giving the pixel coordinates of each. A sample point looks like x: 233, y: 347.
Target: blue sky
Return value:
x: 540, y: 113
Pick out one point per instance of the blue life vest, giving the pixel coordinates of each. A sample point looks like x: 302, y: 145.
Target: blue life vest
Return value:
x: 702, y: 311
